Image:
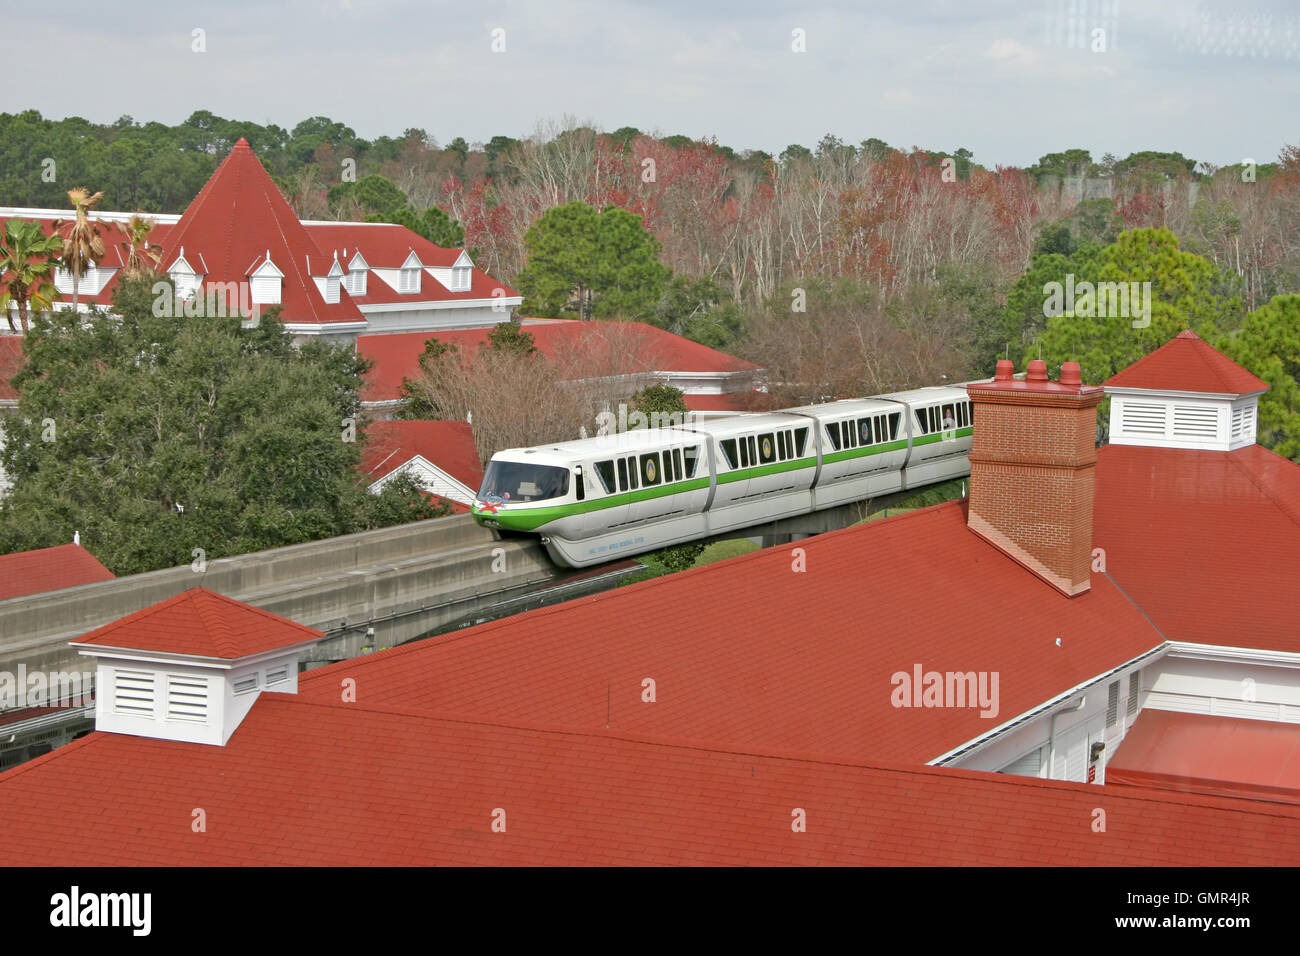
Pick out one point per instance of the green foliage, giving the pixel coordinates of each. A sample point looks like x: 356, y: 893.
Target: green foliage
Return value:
x: 378, y: 194
x: 794, y: 153
x: 27, y: 261
x: 1187, y: 291
x: 1268, y: 344
x: 433, y: 224
x: 662, y: 399
x: 722, y: 550
x: 511, y: 337
x: 1067, y: 164
x: 120, y: 422
x: 587, y: 265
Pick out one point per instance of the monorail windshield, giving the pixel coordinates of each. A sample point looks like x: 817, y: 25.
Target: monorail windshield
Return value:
x: 522, y: 481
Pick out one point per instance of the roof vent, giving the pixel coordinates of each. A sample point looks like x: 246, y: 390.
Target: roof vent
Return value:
x: 191, y: 667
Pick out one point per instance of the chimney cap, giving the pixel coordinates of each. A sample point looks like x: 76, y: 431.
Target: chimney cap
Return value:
x: 1071, y: 374
x: 1006, y: 371
x: 1037, y: 371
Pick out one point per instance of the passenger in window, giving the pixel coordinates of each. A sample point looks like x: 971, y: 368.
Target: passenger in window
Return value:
x: 948, y: 423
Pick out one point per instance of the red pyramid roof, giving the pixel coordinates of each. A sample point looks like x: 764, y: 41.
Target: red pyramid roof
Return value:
x: 201, y: 623
x: 49, y: 569
x: 232, y: 223
x: 1187, y: 363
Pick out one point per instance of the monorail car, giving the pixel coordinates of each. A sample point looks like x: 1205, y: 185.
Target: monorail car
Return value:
x: 598, y: 499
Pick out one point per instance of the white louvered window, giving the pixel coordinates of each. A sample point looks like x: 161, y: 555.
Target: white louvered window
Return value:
x: 1143, y: 418
x: 1243, y: 423
x: 265, y: 290
x: 187, y: 698
x: 133, y: 693
x: 332, y: 289
x: 460, y: 278
x: 277, y: 676
x: 245, y: 684
x: 410, y: 281
x: 1192, y: 421
x: 1134, y: 687
x: 1112, y: 704
x: 356, y: 282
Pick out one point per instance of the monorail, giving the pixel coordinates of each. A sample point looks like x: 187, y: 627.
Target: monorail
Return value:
x: 599, y: 499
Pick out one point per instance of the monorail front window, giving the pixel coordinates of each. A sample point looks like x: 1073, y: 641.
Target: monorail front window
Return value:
x: 523, y: 481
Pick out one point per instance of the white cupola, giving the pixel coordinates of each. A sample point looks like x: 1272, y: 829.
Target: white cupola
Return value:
x: 1185, y: 394
x: 190, y: 668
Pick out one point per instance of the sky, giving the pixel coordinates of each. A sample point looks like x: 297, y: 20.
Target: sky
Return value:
x: 1010, y: 81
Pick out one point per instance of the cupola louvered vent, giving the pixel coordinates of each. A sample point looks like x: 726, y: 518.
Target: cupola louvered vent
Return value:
x: 245, y: 684
x: 1243, y: 423
x: 1141, y: 418
x: 187, y: 698
x: 1195, y: 422
x: 133, y: 693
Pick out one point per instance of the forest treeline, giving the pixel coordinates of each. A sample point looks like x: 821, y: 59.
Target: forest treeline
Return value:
x: 839, y: 268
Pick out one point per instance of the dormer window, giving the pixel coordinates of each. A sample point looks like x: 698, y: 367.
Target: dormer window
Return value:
x: 461, y: 273
x: 408, y: 280
x: 333, y: 282
x: 267, y: 282
x: 355, y: 282
x: 186, y: 278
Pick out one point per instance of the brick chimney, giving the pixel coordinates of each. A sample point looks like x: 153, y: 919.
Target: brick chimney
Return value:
x: 1031, y: 470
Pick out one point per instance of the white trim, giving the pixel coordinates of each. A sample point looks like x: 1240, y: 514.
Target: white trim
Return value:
x: 440, y: 304
x: 1173, y: 393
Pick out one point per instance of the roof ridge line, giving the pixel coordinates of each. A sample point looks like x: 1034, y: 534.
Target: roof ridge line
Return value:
x: 1282, y: 506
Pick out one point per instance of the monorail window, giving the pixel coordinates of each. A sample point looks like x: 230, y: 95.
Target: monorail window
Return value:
x: 622, y: 474
x: 677, y: 464
x: 729, y: 452
x: 631, y: 473
x: 864, y: 431
x: 849, y: 435
x: 753, y: 450
x: 949, y: 417
x: 692, y: 455
x: 800, y: 441
x: 744, y: 453
x: 922, y: 421
x: 521, y: 481
x: 668, y: 466
x: 650, y: 469
x: 963, y: 414
x: 605, y: 472
x: 833, y: 430
x: 781, y: 451
x: 767, y: 449
x: 894, y: 421
x: 881, y: 429
x: 579, y: 488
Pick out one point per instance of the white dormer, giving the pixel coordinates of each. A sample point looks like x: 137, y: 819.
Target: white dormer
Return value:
x: 267, y: 282
x: 358, y: 269
x: 461, y: 272
x: 409, y: 275
x: 332, y: 282
x: 185, y: 276
x: 182, y: 676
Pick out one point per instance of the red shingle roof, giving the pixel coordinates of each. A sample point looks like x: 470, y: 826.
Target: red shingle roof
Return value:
x: 738, y: 655
x: 201, y: 623
x: 400, y: 789
x: 48, y: 569
x: 234, y: 220
x: 449, y: 445
x: 1207, y: 542
x: 589, y: 348
x: 1187, y: 363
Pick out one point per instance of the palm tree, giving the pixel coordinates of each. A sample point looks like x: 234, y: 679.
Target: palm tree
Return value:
x: 27, y: 261
x: 139, y: 248
x: 82, y: 245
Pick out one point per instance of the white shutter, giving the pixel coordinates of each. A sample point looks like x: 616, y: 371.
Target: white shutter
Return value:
x: 133, y: 693
x: 1196, y: 422
x: 1143, y: 418
x: 187, y: 698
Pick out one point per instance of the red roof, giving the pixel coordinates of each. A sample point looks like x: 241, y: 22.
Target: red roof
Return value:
x: 383, y: 245
x: 1206, y: 542
x: 1199, y: 753
x: 448, y: 445
x: 232, y: 223
x: 390, y: 788
x: 589, y: 349
x: 1187, y: 363
x: 48, y: 569
x: 733, y: 662
x: 726, y: 402
x: 201, y: 623
x: 11, y: 360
